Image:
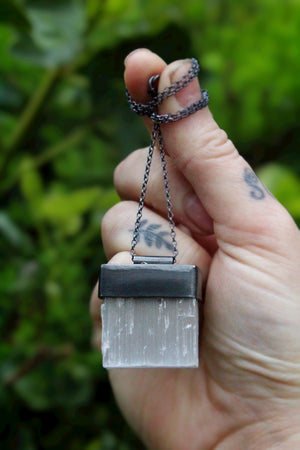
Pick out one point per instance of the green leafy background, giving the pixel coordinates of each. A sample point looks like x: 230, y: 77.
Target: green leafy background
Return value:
x: 64, y: 126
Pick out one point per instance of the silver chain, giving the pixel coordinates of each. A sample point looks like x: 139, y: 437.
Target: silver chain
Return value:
x: 151, y: 110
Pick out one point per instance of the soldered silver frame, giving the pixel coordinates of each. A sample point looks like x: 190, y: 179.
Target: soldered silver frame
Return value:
x: 151, y: 315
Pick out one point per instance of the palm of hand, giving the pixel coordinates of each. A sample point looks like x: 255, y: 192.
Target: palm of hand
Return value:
x: 244, y: 364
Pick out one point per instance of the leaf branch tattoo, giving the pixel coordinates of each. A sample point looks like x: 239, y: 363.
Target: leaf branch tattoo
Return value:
x: 151, y: 235
x: 257, y: 191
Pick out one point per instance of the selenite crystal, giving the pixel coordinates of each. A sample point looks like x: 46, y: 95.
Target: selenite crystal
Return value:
x: 147, y: 332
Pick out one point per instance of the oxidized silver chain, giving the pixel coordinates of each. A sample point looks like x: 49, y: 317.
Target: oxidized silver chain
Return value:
x: 151, y: 110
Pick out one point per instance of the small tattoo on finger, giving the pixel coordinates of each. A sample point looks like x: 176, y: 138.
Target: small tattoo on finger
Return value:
x: 152, y: 235
x: 257, y: 189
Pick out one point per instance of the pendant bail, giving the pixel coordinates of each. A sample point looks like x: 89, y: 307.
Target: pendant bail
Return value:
x: 153, y: 259
x: 152, y: 84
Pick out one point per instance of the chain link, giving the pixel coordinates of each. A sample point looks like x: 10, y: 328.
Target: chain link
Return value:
x: 151, y: 110
x: 143, y: 194
x: 167, y: 190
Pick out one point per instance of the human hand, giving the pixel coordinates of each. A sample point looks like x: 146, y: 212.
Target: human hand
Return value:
x: 246, y: 392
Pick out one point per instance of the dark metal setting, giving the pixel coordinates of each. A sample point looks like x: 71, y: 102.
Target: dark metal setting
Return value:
x: 150, y: 281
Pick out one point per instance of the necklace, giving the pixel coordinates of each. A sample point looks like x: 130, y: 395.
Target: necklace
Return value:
x: 150, y: 310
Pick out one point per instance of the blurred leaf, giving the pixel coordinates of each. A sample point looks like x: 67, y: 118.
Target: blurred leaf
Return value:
x: 56, y: 35
x: 27, y: 278
x: 31, y: 182
x: 12, y: 232
x: 89, y: 162
x: 59, y: 206
x: 95, y: 444
x: 93, y: 8
x: 108, y: 199
x: 41, y: 390
x: 213, y: 61
x: 25, y: 333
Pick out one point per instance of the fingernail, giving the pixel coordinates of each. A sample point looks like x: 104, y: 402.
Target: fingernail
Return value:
x: 196, y: 213
x: 134, y: 52
x: 191, y: 92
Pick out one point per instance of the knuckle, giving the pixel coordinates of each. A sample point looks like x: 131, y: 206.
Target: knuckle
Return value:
x: 218, y: 138
x: 213, y: 144
x: 218, y: 145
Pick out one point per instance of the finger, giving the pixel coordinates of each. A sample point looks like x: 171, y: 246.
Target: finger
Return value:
x: 186, y: 206
x: 137, y: 76
x: 117, y: 226
x: 222, y: 180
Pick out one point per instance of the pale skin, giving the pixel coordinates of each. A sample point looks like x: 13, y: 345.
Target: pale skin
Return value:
x: 246, y: 392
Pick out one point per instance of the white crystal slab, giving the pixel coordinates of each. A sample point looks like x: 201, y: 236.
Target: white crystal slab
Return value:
x: 150, y: 332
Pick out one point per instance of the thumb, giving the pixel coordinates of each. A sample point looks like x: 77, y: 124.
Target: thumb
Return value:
x: 243, y: 211
x: 226, y: 185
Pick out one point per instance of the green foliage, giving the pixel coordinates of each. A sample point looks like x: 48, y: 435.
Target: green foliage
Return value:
x: 64, y: 126
x: 56, y: 32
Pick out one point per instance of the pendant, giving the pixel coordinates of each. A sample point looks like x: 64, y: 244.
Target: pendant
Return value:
x: 152, y: 309
x: 150, y: 313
